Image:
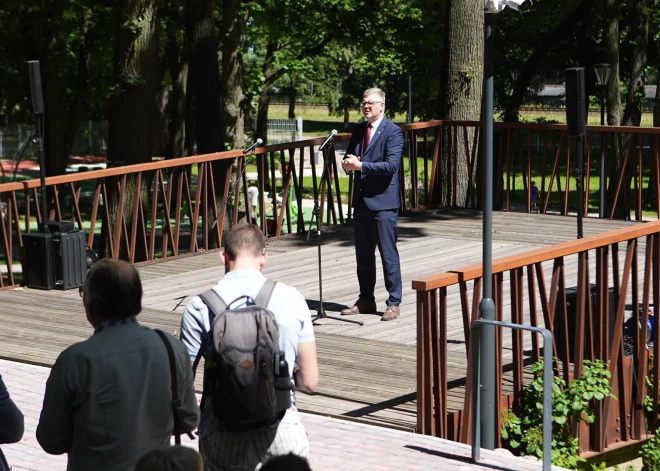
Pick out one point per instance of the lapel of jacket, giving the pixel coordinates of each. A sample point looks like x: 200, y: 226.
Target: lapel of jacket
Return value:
x: 379, y: 131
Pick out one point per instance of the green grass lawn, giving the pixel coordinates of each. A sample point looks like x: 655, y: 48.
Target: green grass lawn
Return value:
x: 560, y: 117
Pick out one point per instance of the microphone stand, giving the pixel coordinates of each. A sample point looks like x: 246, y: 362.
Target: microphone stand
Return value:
x: 320, y: 312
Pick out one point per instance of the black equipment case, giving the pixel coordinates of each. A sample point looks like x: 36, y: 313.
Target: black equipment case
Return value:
x: 57, y: 259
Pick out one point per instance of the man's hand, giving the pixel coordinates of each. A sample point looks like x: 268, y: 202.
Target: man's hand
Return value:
x: 351, y: 162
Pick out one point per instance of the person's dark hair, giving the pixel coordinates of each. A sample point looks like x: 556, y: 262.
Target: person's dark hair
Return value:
x: 113, y: 289
x: 170, y: 458
x: 244, y: 239
x: 288, y: 462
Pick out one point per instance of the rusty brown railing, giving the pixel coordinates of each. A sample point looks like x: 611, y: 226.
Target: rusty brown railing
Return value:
x: 546, y: 154
x: 178, y: 211
x: 609, y: 282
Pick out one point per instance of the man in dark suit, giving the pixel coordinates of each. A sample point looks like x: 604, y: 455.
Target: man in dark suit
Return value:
x: 374, y: 155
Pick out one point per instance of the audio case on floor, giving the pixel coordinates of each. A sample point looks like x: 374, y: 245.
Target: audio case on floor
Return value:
x: 55, y: 259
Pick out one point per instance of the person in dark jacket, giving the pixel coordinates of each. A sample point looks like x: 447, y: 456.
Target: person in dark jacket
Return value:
x: 12, y: 424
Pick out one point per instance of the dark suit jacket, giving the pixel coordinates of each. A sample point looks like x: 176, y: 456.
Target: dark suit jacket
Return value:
x: 378, y: 182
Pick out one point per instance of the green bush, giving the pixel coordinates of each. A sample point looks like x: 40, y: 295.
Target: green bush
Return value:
x: 524, y: 435
x: 650, y: 453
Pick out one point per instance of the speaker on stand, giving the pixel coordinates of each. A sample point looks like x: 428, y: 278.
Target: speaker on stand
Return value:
x: 56, y: 256
x: 576, y: 120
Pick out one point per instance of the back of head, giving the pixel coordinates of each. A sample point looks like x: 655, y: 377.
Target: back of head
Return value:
x: 113, y: 289
x: 288, y: 462
x: 171, y: 458
x: 244, y: 240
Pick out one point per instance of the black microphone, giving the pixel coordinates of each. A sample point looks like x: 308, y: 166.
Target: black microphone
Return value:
x: 256, y: 144
x: 332, y: 135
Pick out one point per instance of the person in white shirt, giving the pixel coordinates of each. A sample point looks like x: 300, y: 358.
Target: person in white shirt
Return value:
x: 244, y: 257
x: 253, y: 196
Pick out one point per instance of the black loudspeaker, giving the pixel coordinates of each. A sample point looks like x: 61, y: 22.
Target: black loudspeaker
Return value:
x: 38, y: 260
x: 55, y: 259
x: 576, y: 109
x: 36, y: 92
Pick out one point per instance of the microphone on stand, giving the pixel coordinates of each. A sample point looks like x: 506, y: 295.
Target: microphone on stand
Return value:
x: 256, y: 144
x: 332, y: 135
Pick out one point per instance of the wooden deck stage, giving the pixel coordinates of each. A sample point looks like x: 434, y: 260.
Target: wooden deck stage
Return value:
x: 368, y: 372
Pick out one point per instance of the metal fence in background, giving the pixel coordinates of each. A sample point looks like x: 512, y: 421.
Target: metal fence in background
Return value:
x: 17, y: 141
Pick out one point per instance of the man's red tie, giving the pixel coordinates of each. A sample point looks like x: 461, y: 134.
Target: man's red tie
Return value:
x: 367, y: 136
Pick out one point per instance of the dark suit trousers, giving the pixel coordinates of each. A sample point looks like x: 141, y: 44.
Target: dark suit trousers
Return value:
x: 377, y: 229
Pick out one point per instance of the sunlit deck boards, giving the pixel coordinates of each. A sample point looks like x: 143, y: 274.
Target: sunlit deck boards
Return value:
x: 368, y: 372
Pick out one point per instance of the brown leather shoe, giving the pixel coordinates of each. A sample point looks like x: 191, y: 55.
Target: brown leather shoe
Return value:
x: 361, y: 307
x: 391, y: 313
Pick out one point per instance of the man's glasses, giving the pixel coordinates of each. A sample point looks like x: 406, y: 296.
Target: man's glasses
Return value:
x: 369, y: 104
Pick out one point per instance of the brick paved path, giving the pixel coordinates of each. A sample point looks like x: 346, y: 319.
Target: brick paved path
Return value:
x: 336, y: 445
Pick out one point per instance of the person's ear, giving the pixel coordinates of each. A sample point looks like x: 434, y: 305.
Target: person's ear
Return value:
x: 262, y: 263
x: 223, y: 257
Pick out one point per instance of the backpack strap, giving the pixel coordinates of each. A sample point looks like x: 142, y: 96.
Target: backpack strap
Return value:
x: 176, y: 402
x: 266, y: 291
x: 215, y: 305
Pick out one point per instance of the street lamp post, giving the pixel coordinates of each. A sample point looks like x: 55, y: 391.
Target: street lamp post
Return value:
x: 602, y: 75
x: 487, y: 305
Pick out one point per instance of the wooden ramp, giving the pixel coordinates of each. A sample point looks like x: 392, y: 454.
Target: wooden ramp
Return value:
x: 368, y: 373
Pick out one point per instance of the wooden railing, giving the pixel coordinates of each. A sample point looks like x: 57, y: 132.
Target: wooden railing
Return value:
x: 544, y: 153
x: 608, y: 284
x: 179, y: 211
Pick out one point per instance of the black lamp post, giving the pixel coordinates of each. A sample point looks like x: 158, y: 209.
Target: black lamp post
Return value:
x: 602, y: 75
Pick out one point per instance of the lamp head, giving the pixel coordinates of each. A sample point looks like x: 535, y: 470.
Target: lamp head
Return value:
x: 602, y: 73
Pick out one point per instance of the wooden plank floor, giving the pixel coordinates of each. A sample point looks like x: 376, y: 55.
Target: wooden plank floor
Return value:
x: 367, y: 372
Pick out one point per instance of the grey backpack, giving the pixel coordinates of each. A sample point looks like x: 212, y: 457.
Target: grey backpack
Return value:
x: 246, y: 376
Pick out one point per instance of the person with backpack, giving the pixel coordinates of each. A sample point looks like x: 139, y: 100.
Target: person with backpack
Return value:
x: 253, y: 334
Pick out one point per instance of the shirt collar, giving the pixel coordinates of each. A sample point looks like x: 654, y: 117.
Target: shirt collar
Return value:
x: 242, y: 274
x: 116, y: 322
x: 375, y: 124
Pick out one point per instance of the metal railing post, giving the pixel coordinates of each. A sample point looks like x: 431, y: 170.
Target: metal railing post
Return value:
x: 547, y: 386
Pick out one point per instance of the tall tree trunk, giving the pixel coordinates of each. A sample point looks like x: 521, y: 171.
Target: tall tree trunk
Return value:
x: 205, y: 75
x: 293, y: 92
x: 268, y: 70
x: 611, y: 53
x: 461, y: 100
x: 636, y: 97
x: 656, y: 100
x: 636, y: 87
x: 55, y: 153
x: 134, y: 104
x: 190, y: 116
x: 524, y: 79
x: 205, y: 81
x: 177, y: 62
x: 613, y: 100
x: 234, y: 19
x: 262, y: 113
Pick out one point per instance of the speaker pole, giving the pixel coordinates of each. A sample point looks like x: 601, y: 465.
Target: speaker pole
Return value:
x: 580, y: 184
x: 37, y: 101
x: 576, y: 122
